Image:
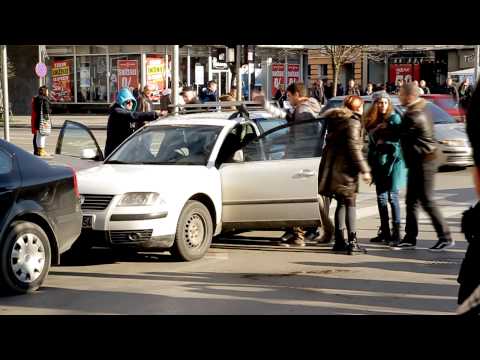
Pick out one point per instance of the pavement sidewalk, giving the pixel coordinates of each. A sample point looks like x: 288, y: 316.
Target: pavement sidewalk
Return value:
x: 97, y: 122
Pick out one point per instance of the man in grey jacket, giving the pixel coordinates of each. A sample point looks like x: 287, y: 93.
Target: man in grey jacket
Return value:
x: 304, y: 108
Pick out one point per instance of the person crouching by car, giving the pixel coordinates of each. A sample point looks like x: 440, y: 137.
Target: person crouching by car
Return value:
x: 386, y: 161
x: 342, y: 162
x: 123, y: 119
x: 40, y: 109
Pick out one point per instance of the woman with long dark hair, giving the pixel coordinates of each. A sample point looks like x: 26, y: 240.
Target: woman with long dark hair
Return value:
x: 40, y: 110
x: 386, y: 161
x: 342, y: 162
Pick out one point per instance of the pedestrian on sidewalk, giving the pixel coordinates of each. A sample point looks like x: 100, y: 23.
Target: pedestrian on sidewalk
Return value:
x: 369, y: 89
x: 123, y: 118
x: 318, y: 92
x: 422, y: 160
x: 304, y: 108
x: 210, y: 93
x: 465, y: 92
x: 40, y: 111
x: 342, y: 162
x: 352, y: 89
x: 423, y: 86
x: 449, y: 89
x: 386, y: 161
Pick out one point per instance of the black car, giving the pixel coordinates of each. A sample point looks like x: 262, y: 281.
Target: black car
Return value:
x: 40, y: 217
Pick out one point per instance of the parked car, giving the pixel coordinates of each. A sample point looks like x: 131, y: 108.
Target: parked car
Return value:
x: 450, y: 135
x: 40, y: 217
x: 446, y: 103
x: 177, y: 182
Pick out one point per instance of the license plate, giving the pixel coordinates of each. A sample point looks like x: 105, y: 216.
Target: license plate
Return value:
x: 87, y: 222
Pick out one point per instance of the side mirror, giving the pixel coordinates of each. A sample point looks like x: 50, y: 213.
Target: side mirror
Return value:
x: 89, y: 154
x: 238, y: 156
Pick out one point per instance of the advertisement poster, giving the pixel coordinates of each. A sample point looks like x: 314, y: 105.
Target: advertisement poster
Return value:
x: 61, y: 81
x: 406, y: 72
x: 127, y: 74
x: 84, y: 77
x: 199, y: 74
x: 156, y: 76
x: 278, y: 75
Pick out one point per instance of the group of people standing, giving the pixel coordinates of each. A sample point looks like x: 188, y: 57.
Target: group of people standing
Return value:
x: 401, y: 151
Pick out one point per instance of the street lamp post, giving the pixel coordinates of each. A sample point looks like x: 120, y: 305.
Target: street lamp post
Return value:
x: 6, y: 109
x: 175, y: 77
x: 477, y: 62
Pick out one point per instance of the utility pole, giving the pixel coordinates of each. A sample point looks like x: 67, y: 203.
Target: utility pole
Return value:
x: 6, y: 108
x: 175, y: 77
x: 477, y: 63
x: 239, y: 77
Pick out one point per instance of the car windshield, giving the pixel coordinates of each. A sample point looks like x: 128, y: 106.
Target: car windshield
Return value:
x: 437, y: 114
x: 168, y: 145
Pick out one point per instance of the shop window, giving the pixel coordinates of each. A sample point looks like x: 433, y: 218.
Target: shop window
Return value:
x: 90, y: 49
x: 91, y: 79
x: 60, y: 78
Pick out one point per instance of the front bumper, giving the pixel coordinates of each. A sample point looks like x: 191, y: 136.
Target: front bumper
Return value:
x: 457, y: 156
x: 138, y: 239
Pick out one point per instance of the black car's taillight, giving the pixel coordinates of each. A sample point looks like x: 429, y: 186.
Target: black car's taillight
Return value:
x: 75, y: 183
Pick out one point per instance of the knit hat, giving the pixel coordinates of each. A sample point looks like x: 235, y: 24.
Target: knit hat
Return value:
x: 380, y: 95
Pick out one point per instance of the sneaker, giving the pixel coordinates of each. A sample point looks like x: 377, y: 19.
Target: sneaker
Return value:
x: 442, y: 245
x: 404, y: 245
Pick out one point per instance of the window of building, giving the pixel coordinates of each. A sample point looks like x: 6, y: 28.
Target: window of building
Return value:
x: 91, y: 78
x: 323, y: 71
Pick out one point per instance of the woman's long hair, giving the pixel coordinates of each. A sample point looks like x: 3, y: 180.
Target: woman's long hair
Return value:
x: 373, y: 117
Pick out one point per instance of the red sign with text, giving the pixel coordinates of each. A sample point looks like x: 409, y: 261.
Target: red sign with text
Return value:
x: 406, y: 72
x: 278, y: 75
x: 62, y: 81
x: 127, y: 71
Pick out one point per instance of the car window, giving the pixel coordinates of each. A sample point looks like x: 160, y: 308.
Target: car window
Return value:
x: 75, y: 138
x: 268, y: 124
x: 6, y: 163
x: 302, y: 140
x: 446, y: 103
x: 438, y: 115
x: 168, y: 145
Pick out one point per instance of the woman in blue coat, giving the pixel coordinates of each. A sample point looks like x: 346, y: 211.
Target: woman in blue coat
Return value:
x: 386, y: 161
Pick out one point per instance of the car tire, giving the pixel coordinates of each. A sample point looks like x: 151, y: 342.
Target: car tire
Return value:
x: 194, y: 232
x: 28, y: 243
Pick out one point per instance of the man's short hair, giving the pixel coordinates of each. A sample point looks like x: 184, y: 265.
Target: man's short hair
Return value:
x: 211, y: 82
x: 297, y: 87
x: 187, y: 88
x: 410, y: 89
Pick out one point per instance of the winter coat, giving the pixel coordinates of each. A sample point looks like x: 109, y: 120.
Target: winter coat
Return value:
x: 342, y: 158
x: 144, y: 103
x: 318, y: 93
x: 121, y: 122
x: 465, y: 95
x: 39, y: 103
x: 353, y: 91
x: 385, y: 155
x: 416, y: 135
x: 207, y: 95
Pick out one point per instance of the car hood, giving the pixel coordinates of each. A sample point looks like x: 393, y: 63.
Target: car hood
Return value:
x: 118, y: 179
x: 450, y: 132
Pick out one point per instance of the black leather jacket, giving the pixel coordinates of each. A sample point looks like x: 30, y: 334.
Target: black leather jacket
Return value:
x: 416, y: 134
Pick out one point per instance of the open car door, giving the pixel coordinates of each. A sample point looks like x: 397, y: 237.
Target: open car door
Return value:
x: 77, y: 147
x: 273, y: 183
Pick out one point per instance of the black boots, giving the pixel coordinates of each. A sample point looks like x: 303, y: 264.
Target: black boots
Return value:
x: 383, y: 235
x: 340, y: 243
x: 353, y: 246
x: 395, y: 234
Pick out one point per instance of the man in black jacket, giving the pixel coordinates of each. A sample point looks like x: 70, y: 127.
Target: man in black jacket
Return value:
x: 421, y: 158
x: 449, y: 89
x: 123, y: 119
x: 469, y: 276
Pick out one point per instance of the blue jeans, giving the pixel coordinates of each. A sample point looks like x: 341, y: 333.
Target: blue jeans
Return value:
x: 383, y: 199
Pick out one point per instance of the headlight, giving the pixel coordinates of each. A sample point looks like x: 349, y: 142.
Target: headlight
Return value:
x: 452, y: 142
x: 138, y: 199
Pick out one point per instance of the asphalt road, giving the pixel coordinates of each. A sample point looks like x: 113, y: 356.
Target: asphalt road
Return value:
x: 249, y: 274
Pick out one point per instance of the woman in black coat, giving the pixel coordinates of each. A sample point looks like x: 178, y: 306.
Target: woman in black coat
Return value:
x: 342, y: 162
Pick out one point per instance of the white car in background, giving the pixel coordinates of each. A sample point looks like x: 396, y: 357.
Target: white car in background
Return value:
x: 178, y: 182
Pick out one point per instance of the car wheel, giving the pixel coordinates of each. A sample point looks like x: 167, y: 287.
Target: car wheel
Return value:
x: 194, y: 232
x: 25, y: 257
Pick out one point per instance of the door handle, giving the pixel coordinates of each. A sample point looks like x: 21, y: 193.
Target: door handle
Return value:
x: 306, y: 173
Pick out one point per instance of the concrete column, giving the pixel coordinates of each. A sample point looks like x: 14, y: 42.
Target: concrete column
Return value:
x: 239, y: 77
x: 364, y: 72
x: 286, y: 70
x: 188, y: 67
x: 175, y: 76
x: 477, y: 63
x: 209, y: 65
x: 6, y: 108
x: 143, y: 66
x: 268, y: 79
x: 300, y: 69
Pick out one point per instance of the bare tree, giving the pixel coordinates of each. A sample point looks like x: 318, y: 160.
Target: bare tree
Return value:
x: 11, y: 74
x: 346, y: 54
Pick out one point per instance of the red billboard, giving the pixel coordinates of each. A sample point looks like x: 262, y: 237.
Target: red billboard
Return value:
x: 127, y: 74
x: 406, y: 72
x: 62, y: 80
x: 278, y: 75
